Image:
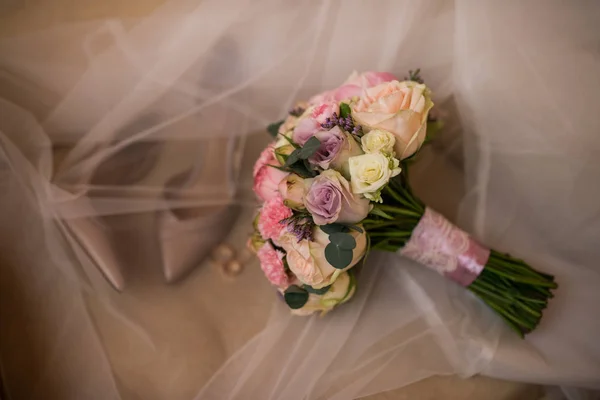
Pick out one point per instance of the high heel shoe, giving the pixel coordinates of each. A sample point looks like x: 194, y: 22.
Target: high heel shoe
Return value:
x: 127, y: 166
x: 186, y: 235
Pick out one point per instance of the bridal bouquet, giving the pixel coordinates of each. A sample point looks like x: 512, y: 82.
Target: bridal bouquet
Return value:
x: 333, y: 185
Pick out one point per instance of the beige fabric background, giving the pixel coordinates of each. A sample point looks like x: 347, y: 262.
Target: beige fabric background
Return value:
x: 127, y: 357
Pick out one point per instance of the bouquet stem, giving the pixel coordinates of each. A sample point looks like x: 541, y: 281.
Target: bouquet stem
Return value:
x: 511, y: 287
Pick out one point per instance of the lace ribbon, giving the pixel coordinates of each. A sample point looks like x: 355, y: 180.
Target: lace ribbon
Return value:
x: 443, y: 247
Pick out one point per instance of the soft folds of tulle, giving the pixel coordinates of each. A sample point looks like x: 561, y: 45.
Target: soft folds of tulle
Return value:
x: 95, y: 118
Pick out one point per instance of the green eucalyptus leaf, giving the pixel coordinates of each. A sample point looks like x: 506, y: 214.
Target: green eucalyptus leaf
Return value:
x: 292, y: 158
x: 295, y: 297
x: 300, y: 170
x: 343, y: 240
x: 273, y: 128
x: 320, y: 291
x: 344, y: 110
x: 310, y: 147
x: 310, y: 169
x: 338, y: 258
x: 333, y: 228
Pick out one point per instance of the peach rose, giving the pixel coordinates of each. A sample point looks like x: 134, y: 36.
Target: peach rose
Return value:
x: 397, y: 107
x: 353, y: 86
x: 307, y: 260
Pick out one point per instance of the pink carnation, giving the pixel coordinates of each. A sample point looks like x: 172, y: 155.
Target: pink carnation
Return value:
x: 271, y: 262
x: 266, y: 177
x: 270, y: 216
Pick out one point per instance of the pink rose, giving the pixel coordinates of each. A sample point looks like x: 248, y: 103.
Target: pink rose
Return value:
x: 397, y: 107
x: 311, y: 122
x: 269, y: 220
x: 305, y: 129
x: 324, y: 110
x: 271, y: 262
x: 354, y: 86
x: 267, y: 178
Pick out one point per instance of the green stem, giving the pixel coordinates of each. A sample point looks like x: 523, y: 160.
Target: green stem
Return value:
x: 537, y: 282
x: 391, y: 234
x: 399, y: 211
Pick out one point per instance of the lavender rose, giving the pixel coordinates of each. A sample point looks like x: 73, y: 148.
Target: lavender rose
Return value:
x: 335, y: 150
x: 330, y: 200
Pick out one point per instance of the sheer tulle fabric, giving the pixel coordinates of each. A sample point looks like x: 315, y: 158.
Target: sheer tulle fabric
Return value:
x: 96, y: 119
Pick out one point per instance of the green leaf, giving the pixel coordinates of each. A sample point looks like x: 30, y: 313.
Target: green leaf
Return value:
x: 310, y: 169
x: 433, y: 129
x: 282, y: 156
x: 295, y: 297
x: 289, y: 140
x: 333, y: 228
x: 292, y: 158
x: 309, y: 148
x: 343, y: 240
x: 344, y: 110
x: 338, y: 258
x: 301, y: 171
x: 311, y: 289
x: 273, y: 128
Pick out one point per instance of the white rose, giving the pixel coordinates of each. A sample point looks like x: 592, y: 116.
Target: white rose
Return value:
x: 378, y: 141
x: 340, y: 292
x: 370, y: 173
x: 307, y: 260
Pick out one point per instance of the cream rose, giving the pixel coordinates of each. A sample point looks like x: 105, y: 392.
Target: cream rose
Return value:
x: 369, y: 173
x: 397, y: 107
x: 378, y: 141
x: 283, y: 148
x: 307, y: 261
x: 340, y: 292
x: 293, y: 189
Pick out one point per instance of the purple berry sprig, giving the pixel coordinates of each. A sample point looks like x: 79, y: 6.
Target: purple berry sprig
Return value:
x: 300, y: 225
x: 347, y: 124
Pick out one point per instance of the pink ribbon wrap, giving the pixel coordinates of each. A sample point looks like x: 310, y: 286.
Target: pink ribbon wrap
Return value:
x: 443, y: 247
